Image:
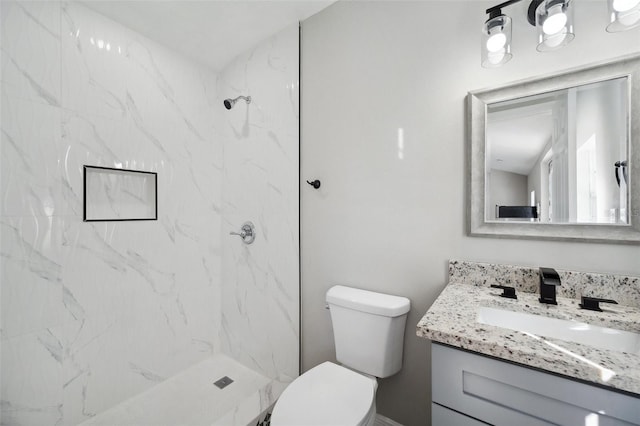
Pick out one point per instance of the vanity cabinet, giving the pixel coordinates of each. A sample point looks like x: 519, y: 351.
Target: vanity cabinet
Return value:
x: 472, y: 389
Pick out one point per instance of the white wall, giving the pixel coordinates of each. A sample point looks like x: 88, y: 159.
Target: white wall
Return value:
x: 600, y: 115
x: 261, y: 281
x: 538, y: 181
x: 390, y: 223
x: 505, y: 189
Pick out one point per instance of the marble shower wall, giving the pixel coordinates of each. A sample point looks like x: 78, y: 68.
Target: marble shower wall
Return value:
x: 260, y: 282
x: 93, y: 313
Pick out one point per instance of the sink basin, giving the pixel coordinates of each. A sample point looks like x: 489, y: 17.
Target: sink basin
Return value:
x: 568, y: 330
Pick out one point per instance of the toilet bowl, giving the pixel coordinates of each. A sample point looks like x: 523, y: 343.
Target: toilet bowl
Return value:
x: 327, y: 395
x: 368, y: 330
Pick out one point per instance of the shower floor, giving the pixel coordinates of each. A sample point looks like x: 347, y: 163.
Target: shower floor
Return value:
x: 191, y: 399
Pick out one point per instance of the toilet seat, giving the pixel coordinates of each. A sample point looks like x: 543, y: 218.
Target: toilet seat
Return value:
x: 326, y: 395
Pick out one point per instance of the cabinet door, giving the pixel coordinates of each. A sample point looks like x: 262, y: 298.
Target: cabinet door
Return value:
x: 502, y: 393
x: 442, y: 416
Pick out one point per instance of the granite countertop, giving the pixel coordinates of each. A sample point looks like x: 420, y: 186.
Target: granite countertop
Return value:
x: 452, y: 320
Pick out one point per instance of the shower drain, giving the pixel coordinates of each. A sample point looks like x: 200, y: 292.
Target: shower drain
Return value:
x: 223, y: 382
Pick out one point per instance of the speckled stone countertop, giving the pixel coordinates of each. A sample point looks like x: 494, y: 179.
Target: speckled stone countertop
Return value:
x: 452, y: 320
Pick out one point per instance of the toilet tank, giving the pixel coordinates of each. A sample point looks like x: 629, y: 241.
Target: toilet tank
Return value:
x: 368, y: 329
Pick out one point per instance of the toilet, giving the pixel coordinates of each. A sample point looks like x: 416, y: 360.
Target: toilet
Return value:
x: 368, y: 330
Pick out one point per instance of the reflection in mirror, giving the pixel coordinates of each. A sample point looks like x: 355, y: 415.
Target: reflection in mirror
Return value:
x: 560, y: 156
x: 557, y: 156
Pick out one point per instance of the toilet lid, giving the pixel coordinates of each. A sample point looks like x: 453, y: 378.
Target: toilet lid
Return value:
x: 326, y: 395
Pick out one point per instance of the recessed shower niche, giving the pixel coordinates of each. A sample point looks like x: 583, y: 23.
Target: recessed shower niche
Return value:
x: 119, y: 194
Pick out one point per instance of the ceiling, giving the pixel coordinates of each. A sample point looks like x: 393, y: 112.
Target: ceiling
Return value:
x: 211, y: 32
x: 515, y: 145
x: 518, y: 134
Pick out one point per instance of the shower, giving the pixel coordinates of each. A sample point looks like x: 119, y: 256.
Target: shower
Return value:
x: 218, y: 168
x: 229, y: 103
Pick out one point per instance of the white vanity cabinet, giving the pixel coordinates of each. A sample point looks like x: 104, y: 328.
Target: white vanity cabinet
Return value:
x: 471, y: 389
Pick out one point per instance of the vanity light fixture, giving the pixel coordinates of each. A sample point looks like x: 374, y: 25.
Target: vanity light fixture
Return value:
x: 496, y: 39
x: 623, y: 15
x: 553, y: 20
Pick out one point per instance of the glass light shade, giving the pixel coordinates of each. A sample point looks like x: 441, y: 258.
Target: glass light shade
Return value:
x: 554, y: 21
x: 623, y: 15
x: 496, y: 42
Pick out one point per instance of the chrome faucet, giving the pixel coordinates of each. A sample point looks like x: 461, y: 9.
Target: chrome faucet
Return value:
x: 549, y: 279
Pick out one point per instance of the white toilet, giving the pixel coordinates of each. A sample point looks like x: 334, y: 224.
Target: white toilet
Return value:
x: 368, y: 330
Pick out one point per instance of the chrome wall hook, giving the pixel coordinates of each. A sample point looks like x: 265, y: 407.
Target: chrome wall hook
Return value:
x: 247, y: 233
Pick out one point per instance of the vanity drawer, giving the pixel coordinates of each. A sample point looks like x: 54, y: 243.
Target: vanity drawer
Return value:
x: 502, y: 393
x: 443, y: 416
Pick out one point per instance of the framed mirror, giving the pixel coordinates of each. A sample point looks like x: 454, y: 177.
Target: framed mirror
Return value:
x: 556, y: 157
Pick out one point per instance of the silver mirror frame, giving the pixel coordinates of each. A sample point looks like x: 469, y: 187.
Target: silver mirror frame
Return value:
x: 477, y: 101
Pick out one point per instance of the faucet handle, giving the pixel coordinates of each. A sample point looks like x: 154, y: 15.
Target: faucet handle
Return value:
x: 508, y: 292
x: 247, y: 233
x: 593, y: 303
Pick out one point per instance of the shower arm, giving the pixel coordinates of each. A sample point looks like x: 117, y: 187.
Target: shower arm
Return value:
x: 229, y: 103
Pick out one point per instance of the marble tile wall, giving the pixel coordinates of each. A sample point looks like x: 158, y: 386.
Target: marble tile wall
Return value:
x: 260, y: 290
x: 93, y: 313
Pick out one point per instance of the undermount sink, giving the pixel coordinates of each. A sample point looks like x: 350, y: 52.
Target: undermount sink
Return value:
x: 568, y: 330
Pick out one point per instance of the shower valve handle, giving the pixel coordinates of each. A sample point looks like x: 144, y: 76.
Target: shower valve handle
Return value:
x: 247, y: 233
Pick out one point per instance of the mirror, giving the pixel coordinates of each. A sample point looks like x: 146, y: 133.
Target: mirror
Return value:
x: 553, y: 157
x: 559, y: 157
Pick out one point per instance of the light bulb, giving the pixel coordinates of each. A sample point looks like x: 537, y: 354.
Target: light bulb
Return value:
x: 630, y: 19
x: 624, y: 5
x: 495, y: 58
x: 496, y: 42
x: 555, y: 41
x: 556, y: 20
x: 624, y: 15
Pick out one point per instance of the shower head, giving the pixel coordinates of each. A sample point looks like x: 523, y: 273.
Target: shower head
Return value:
x: 229, y: 103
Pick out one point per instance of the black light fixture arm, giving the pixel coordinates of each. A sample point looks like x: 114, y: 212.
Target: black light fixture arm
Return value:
x: 496, y: 11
